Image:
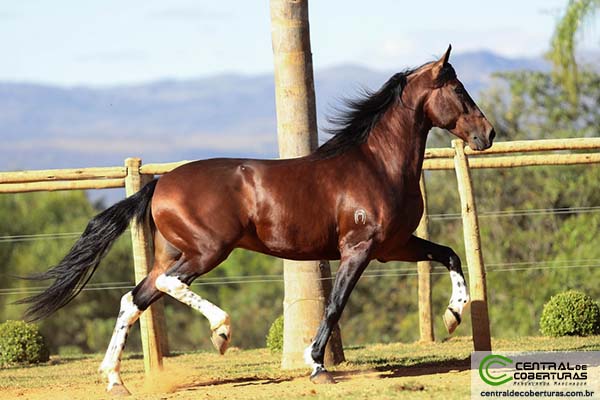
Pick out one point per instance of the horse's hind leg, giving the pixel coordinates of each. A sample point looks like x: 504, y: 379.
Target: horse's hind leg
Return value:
x: 111, y: 365
x: 175, y: 282
x: 218, y: 319
x: 133, y: 305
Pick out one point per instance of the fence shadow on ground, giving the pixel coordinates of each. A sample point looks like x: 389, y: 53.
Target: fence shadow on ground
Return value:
x: 402, y: 369
x: 427, y: 368
x: 389, y: 370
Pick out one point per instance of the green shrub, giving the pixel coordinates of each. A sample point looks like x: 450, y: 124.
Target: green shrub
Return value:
x: 275, y: 336
x: 570, y: 313
x: 21, y: 343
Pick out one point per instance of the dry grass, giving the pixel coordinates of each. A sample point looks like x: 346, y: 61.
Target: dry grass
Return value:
x: 390, y: 371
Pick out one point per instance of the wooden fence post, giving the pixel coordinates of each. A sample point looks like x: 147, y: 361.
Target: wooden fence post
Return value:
x: 479, y: 311
x: 152, y: 322
x: 306, y: 283
x: 426, y: 333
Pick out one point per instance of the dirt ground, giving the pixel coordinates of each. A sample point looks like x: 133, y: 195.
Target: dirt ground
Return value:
x: 392, y: 371
x: 172, y: 384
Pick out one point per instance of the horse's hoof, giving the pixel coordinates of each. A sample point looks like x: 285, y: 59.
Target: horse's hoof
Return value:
x: 322, y: 377
x: 451, y: 320
x: 220, y: 338
x: 119, y: 390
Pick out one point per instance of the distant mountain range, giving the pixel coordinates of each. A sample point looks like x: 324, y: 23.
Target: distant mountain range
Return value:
x: 226, y: 115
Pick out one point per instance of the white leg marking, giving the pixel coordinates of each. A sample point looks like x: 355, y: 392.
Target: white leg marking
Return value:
x: 111, y: 365
x: 460, y: 296
x: 218, y: 319
x: 309, y: 360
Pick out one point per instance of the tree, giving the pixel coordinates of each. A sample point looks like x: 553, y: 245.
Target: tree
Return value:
x: 562, y: 52
x: 86, y: 321
x: 307, y: 287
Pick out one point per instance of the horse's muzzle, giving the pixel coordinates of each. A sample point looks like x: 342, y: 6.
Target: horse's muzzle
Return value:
x: 482, y: 142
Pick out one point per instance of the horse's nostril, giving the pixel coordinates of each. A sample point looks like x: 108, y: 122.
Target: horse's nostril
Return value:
x: 492, y: 135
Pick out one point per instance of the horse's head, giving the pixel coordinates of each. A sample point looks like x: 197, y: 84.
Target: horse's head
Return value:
x: 448, y: 105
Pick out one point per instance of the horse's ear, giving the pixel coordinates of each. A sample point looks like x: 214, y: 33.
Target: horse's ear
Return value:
x: 439, y: 64
x: 446, y: 55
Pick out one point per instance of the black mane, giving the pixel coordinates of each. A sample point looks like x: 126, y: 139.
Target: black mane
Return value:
x: 355, y: 122
x: 359, y: 116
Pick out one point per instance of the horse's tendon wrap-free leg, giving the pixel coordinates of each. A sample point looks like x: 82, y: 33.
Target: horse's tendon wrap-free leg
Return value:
x: 417, y: 249
x: 111, y: 365
x: 460, y: 295
x: 353, y: 262
x: 218, y: 319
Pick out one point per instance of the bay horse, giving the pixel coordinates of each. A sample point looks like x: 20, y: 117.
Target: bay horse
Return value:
x: 355, y: 199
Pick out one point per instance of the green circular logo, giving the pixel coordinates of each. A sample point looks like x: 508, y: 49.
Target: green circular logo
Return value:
x: 490, y: 362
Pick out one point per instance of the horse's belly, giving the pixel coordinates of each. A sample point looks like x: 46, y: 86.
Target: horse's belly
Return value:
x: 292, y: 241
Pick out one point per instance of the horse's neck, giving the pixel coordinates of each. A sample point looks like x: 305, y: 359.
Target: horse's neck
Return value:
x: 397, y: 146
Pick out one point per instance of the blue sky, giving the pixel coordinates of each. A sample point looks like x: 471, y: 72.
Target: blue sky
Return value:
x: 109, y: 42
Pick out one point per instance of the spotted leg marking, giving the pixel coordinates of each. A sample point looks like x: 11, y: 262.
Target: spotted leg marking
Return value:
x: 218, y: 319
x: 458, y: 301
x: 417, y: 249
x: 111, y: 365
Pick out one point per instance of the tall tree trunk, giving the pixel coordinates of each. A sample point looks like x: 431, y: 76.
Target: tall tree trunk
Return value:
x: 307, y: 283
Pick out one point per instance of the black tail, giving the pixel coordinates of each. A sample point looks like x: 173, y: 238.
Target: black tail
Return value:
x: 76, y: 269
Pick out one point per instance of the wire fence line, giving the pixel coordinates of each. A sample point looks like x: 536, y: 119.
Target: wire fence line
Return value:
x: 39, y: 236
x: 519, y: 213
x: 254, y: 279
x: 378, y: 272
x: 444, y: 216
x: 379, y: 268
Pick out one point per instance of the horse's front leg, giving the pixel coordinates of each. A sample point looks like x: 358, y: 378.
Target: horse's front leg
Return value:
x: 354, y: 260
x: 417, y: 249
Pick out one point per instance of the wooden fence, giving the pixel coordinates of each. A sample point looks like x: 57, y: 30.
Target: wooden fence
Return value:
x: 134, y: 174
x: 462, y: 160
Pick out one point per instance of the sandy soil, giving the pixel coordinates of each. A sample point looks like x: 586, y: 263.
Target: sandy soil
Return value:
x: 178, y: 383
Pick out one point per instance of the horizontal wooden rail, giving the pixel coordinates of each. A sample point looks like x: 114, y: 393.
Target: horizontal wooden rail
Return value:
x: 435, y: 159
x: 160, y: 168
x: 521, y: 146
x: 442, y: 158
x: 61, y: 185
x: 63, y: 174
x: 516, y: 161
